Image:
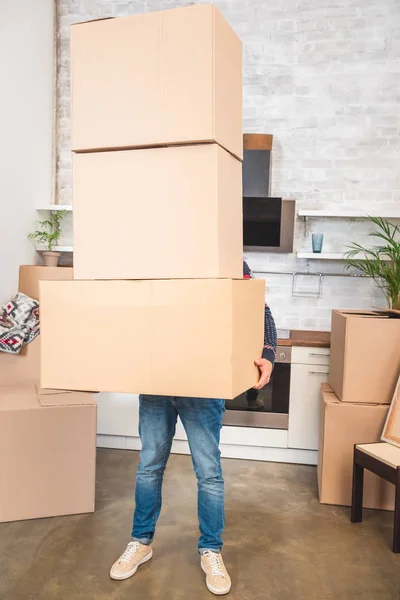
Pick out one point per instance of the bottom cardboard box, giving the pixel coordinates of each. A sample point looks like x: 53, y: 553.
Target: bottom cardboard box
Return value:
x: 194, y: 338
x: 47, y: 453
x: 342, y: 426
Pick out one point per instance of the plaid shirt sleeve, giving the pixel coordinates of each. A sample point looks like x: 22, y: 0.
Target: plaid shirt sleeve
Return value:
x: 270, y: 336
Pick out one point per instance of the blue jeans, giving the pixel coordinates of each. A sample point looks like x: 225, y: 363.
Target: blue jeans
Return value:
x: 202, y: 420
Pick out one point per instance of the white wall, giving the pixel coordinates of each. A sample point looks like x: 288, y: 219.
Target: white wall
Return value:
x: 322, y: 77
x: 26, y: 109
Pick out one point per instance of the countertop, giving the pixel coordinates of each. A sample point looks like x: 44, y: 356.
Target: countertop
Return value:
x: 313, y: 339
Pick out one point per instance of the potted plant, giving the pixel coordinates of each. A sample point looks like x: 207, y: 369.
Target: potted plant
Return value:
x: 381, y: 262
x: 47, y: 235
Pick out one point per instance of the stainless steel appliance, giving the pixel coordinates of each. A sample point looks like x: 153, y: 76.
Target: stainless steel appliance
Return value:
x: 268, y: 407
x: 268, y: 223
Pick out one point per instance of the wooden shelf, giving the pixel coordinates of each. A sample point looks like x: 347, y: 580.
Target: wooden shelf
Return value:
x: 257, y: 141
x: 67, y: 207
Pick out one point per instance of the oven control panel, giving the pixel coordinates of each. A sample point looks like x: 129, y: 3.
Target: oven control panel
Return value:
x: 283, y: 354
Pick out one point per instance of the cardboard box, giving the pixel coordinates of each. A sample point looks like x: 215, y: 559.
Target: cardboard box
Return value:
x: 167, y: 77
x: 22, y: 368
x: 158, y: 213
x: 47, y: 453
x: 365, y: 356
x: 342, y: 426
x: 30, y: 275
x: 196, y: 338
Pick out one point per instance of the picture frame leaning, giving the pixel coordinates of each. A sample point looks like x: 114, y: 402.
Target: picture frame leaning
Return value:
x: 391, y: 430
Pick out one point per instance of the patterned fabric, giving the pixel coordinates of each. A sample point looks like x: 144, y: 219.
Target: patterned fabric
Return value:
x: 270, y: 336
x: 19, y: 323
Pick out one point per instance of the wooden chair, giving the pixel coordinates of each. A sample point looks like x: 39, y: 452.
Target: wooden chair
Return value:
x: 384, y: 460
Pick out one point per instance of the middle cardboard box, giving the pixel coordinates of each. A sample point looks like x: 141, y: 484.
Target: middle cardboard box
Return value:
x: 194, y: 337
x: 158, y: 213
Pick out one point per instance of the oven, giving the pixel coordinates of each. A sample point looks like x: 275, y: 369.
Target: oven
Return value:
x: 268, y: 407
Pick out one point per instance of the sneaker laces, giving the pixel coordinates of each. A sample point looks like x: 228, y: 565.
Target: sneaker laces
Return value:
x: 131, y: 549
x: 216, y: 563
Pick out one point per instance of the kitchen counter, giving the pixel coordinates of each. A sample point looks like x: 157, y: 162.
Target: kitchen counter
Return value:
x: 312, y: 339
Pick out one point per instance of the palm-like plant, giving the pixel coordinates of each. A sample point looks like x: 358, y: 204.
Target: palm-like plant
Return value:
x: 382, y: 262
x: 49, y: 232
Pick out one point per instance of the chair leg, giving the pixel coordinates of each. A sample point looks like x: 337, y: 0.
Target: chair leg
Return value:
x: 357, y: 496
x: 396, y: 531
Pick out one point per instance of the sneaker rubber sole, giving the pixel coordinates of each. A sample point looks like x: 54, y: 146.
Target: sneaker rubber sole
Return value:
x: 213, y: 590
x: 122, y: 576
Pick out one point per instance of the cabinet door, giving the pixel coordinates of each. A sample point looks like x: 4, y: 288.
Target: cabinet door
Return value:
x: 304, y: 405
x: 117, y: 414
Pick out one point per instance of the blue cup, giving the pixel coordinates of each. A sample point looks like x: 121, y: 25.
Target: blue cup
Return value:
x: 317, y: 241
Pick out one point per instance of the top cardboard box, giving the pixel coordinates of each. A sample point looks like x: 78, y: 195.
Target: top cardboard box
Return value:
x: 365, y: 356
x: 166, y: 77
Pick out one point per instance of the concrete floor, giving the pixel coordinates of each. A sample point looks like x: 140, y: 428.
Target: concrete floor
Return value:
x: 280, y: 543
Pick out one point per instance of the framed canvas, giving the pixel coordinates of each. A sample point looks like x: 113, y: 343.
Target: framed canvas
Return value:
x: 391, y: 431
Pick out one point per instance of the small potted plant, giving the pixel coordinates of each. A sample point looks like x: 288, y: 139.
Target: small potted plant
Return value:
x: 381, y: 262
x: 47, y: 235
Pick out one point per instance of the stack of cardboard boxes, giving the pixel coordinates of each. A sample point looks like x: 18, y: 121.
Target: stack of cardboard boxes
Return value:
x: 365, y: 365
x: 158, y: 304
x: 47, y: 437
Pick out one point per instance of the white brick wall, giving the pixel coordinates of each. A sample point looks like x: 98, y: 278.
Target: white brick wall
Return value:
x: 323, y: 77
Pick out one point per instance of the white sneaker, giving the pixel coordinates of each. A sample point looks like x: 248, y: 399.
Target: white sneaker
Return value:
x: 135, y: 555
x: 217, y: 579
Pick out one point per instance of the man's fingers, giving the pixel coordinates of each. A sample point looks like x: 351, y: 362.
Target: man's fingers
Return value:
x: 265, y: 373
x: 264, y: 379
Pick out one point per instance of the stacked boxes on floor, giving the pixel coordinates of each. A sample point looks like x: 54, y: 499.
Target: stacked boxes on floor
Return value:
x: 365, y: 364
x: 158, y: 304
x: 47, y: 437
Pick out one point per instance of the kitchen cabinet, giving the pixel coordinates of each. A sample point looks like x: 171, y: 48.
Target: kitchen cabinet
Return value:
x: 117, y: 414
x: 309, y: 368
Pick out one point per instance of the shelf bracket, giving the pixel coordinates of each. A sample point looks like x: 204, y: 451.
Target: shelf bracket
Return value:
x: 306, y: 232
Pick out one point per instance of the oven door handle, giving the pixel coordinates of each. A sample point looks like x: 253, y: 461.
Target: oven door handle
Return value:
x: 317, y: 372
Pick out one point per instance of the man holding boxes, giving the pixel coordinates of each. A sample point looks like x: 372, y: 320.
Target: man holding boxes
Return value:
x: 156, y: 115
x: 202, y: 420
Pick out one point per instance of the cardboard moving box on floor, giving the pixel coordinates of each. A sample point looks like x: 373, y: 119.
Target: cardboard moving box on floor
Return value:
x: 195, y: 338
x: 47, y: 453
x: 30, y: 275
x: 365, y: 356
x: 166, y: 77
x: 342, y: 426
x: 159, y: 213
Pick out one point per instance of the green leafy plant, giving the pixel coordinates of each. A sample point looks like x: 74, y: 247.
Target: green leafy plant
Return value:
x: 49, y: 231
x: 382, y: 262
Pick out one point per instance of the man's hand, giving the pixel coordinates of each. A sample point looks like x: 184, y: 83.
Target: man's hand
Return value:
x: 265, y: 367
